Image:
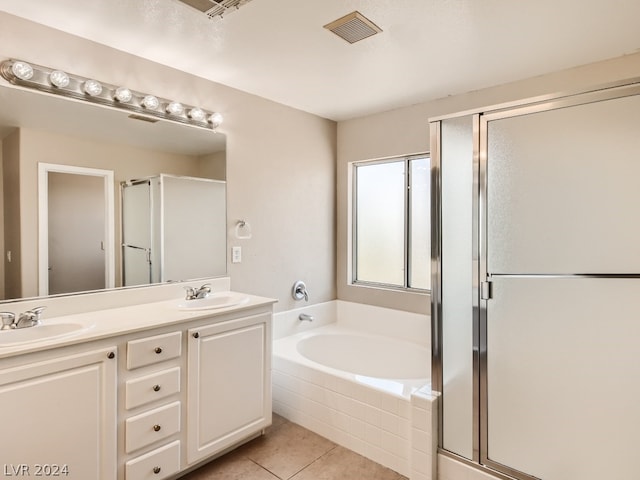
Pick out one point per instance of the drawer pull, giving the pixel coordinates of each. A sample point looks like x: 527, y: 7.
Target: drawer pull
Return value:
x: 158, y: 350
x: 156, y: 428
x: 156, y: 388
x: 156, y: 470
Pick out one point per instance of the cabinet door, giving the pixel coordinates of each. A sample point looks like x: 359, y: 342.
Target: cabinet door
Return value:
x: 58, y: 417
x: 229, y: 386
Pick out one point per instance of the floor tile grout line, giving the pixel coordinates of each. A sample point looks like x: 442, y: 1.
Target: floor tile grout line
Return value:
x: 311, y: 463
x: 264, y: 468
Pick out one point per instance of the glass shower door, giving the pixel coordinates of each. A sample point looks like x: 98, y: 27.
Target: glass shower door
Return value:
x: 561, y: 273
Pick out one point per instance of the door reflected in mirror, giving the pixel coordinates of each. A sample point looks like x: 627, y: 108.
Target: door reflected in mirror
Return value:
x: 38, y: 129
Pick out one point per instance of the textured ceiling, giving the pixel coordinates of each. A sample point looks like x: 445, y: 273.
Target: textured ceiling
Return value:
x: 428, y: 49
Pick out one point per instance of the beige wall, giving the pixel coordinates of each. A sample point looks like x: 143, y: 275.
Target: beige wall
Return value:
x: 280, y: 161
x: 406, y: 130
x: 126, y: 162
x: 1, y: 224
x: 11, y: 188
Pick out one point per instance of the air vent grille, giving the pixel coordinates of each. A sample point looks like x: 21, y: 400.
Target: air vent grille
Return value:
x: 353, y: 27
x: 215, y: 8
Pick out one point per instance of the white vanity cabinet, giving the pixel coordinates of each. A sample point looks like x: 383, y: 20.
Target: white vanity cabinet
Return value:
x: 58, y: 414
x: 145, y: 394
x: 228, y: 383
x: 152, y: 406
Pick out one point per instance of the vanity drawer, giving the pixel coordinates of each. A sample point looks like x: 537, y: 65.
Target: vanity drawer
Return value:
x: 151, y: 426
x: 146, y: 351
x: 159, y: 463
x: 152, y: 387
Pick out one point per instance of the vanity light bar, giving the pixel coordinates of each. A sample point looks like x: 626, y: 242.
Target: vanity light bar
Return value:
x: 67, y: 84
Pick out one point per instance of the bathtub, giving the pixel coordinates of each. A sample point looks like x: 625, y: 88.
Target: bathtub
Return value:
x: 359, y: 376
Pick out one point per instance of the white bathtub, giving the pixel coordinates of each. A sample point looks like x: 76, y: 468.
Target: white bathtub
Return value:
x: 361, y: 379
x: 369, y: 355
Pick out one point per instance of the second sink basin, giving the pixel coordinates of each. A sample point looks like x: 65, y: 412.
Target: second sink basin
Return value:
x: 21, y: 336
x: 215, y: 300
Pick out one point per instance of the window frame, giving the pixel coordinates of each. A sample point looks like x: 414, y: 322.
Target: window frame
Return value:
x: 353, y: 244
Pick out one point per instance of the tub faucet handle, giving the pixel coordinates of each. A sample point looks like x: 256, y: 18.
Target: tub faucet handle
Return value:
x: 300, y: 291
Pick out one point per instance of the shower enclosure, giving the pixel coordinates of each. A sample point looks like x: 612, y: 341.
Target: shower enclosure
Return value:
x: 173, y: 228
x: 536, y: 280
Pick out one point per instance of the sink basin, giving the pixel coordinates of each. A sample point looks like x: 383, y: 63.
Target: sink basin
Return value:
x: 39, y: 333
x: 215, y: 300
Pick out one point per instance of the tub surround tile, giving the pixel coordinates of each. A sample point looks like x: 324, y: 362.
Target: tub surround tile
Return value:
x: 424, y: 422
x: 335, y: 413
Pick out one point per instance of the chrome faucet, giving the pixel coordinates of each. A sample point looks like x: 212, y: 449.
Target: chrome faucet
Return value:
x: 194, y: 293
x: 8, y: 320
x: 305, y: 317
x: 30, y: 318
x: 300, y: 291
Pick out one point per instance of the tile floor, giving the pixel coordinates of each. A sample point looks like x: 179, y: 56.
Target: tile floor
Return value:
x: 289, y: 452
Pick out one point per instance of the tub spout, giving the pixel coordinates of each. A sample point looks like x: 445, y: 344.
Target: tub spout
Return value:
x: 305, y: 317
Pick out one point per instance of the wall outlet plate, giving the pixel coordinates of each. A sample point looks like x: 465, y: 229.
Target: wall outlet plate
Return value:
x: 236, y: 254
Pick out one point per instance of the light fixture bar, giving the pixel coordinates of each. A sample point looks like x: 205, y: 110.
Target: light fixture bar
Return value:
x: 57, y: 82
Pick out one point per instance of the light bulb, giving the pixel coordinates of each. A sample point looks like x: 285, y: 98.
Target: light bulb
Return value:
x: 150, y: 102
x: 197, y: 114
x: 175, y: 108
x: 215, y: 119
x: 22, y: 70
x: 59, y: 79
x: 92, y: 87
x: 123, y: 94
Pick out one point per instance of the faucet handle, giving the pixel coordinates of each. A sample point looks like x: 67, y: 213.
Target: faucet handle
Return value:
x: 37, y: 311
x: 191, y: 292
x: 8, y: 320
x: 34, y: 314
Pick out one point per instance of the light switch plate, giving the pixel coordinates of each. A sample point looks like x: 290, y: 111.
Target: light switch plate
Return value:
x: 236, y: 254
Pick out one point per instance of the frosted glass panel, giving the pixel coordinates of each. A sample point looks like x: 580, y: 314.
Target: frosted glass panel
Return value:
x: 563, y: 192
x: 562, y: 377
x: 457, y: 283
x: 420, y: 234
x: 136, y: 221
x: 380, y: 210
x: 194, y: 228
x: 137, y: 270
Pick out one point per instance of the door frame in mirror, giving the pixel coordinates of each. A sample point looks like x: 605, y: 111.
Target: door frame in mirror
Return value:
x: 43, y: 220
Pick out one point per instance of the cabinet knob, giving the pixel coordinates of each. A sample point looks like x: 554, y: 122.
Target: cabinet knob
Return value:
x: 111, y: 355
x: 156, y: 470
x: 156, y: 388
x: 158, y: 350
x: 196, y: 335
x: 156, y: 428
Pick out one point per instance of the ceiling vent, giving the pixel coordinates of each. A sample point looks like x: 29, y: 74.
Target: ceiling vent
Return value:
x: 215, y: 8
x: 353, y: 27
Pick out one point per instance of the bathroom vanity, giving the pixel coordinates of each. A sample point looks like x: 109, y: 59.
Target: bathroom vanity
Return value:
x: 136, y: 392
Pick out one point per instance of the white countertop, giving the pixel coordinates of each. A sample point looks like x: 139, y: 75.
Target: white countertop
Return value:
x: 116, y: 321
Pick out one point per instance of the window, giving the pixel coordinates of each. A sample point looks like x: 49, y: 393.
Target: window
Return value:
x: 391, y: 228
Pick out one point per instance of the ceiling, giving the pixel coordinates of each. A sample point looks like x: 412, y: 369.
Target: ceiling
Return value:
x: 428, y: 49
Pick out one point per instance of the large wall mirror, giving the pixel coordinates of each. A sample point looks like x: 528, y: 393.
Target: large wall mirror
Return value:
x: 73, y: 173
